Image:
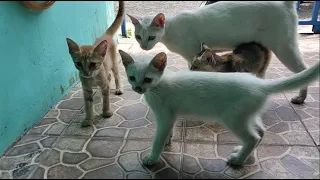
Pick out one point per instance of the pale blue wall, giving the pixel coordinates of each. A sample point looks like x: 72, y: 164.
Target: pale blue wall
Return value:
x: 35, y: 63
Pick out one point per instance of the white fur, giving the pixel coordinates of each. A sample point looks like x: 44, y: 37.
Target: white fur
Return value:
x: 223, y: 25
x: 232, y: 99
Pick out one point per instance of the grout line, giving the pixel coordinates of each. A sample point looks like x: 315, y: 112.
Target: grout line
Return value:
x: 182, y: 150
x: 305, y: 127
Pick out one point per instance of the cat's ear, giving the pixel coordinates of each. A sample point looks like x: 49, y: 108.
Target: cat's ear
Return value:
x: 126, y: 58
x: 159, y: 61
x: 159, y: 20
x: 101, y: 49
x: 204, y: 47
x: 73, y: 47
x: 134, y: 20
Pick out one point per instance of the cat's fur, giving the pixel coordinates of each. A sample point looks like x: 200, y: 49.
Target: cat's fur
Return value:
x: 95, y: 63
x: 248, y: 57
x: 224, y: 25
x: 235, y: 100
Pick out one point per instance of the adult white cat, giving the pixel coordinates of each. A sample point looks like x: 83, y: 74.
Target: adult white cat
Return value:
x: 222, y: 26
x: 232, y: 99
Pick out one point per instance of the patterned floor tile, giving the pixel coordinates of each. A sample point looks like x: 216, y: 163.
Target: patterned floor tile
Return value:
x: 58, y: 147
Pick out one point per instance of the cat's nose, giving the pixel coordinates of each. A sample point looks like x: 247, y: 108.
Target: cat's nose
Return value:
x: 144, y: 47
x: 138, y: 89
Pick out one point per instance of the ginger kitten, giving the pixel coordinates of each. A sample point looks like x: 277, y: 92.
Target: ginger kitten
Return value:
x: 94, y: 63
x: 247, y: 57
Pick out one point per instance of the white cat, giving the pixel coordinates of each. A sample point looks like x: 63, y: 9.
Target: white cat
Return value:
x: 223, y: 26
x: 235, y: 100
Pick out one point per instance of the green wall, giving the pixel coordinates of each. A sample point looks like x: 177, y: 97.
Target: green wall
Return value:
x: 36, y: 70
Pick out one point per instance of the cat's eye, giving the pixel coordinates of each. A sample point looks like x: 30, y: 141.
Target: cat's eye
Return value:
x: 147, y: 80
x: 78, y: 64
x: 200, y: 53
x: 131, y: 78
x: 138, y: 37
x: 92, y: 65
x: 151, y: 38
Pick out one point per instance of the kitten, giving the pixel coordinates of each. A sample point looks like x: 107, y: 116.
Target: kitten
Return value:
x: 235, y: 100
x: 223, y: 26
x: 94, y: 63
x: 248, y: 57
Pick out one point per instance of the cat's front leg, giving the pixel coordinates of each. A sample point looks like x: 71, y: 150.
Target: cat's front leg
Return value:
x: 88, y: 100
x: 164, y: 128
x: 106, y: 111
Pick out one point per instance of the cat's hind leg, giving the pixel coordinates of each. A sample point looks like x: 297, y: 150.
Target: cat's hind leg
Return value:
x: 289, y: 54
x: 168, y: 142
x: 258, y: 125
x: 249, y: 137
x: 115, y: 71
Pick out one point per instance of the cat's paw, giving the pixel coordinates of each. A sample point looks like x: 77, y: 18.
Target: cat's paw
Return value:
x: 236, y: 149
x: 148, y: 161
x: 107, y: 114
x: 298, y: 99
x: 168, y: 142
x: 86, y: 123
x: 119, y: 91
x: 234, y: 159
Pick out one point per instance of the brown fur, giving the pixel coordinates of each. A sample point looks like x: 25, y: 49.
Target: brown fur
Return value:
x: 248, y: 57
x: 94, y: 63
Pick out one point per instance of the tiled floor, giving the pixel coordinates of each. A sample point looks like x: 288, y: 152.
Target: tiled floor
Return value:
x: 57, y: 147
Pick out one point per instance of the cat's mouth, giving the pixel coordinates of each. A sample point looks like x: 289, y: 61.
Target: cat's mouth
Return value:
x: 86, y: 76
x: 193, y: 68
x: 140, y: 91
x: 145, y: 48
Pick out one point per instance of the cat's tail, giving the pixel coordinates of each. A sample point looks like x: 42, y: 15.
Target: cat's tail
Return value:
x: 290, y: 4
x: 295, y: 81
x: 118, y: 20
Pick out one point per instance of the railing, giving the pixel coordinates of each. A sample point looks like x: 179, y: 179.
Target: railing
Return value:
x: 123, y: 27
x: 314, y: 19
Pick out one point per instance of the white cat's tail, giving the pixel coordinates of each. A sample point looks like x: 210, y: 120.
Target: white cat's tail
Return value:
x: 295, y: 81
x: 290, y: 4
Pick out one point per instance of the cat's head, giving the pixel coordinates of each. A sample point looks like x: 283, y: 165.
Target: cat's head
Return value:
x: 143, y: 71
x: 87, y: 59
x: 148, y: 30
x: 204, y: 60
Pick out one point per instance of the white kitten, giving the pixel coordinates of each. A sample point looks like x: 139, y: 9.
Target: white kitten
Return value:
x: 232, y: 99
x: 224, y: 25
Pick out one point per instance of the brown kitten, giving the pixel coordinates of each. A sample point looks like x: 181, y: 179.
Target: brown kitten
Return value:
x: 247, y: 57
x: 94, y: 63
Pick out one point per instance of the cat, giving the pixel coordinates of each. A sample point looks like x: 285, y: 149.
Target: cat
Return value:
x: 224, y: 25
x: 236, y: 100
x: 248, y: 57
x: 94, y: 63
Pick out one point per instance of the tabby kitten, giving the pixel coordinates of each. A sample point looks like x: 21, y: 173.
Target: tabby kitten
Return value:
x: 94, y: 63
x: 247, y: 57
